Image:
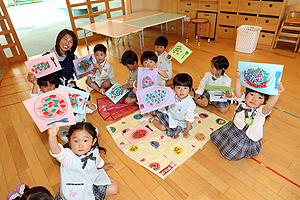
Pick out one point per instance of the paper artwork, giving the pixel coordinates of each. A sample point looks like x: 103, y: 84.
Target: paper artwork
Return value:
x: 138, y: 133
x: 84, y: 64
x: 180, y: 52
x: 154, y: 97
x: 146, y: 77
x: 49, y: 108
x: 219, y: 88
x: 116, y: 92
x: 261, y: 77
x: 43, y: 65
x: 77, y: 98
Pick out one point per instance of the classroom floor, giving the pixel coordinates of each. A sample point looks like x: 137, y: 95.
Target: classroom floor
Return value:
x: 25, y: 157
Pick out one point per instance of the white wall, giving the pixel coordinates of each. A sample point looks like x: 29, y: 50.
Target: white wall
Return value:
x: 138, y: 5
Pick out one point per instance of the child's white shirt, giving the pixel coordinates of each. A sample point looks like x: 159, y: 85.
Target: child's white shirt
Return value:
x: 82, y: 117
x: 66, y: 160
x: 107, y: 72
x: 224, y: 80
x: 34, y: 95
x: 165, y: 64
x: 255, y: 131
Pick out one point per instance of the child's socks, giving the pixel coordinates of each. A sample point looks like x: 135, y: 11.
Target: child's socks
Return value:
x: 147, y: 118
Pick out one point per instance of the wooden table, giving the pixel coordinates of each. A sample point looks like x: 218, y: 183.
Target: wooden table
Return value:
x: 111, y: 29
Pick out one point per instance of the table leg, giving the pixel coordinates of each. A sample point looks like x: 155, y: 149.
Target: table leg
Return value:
x: 128, y: 40
x: 161, y: 29
x: 123, y: 41
x: 141, y: 48
x: 166, y: 27
x: 182, y: 27
x: 106, y: 40
x: 118, y: 39
x: 87, y: 45
x: 143, y: 40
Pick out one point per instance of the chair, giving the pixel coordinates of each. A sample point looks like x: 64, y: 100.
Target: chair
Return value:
x: 199, y: 22
x: 289, y: 30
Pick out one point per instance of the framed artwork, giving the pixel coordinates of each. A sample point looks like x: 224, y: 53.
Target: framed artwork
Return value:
x: 180, y: 52
x: 138, y: 133
x: 84, y: 64
x: 260, y: 77
x: 43, y: 65
x: 49, y: 108
x: 146, y: 77
x: 154, y: 97
x: 116, y: 92
x: 77, y: 98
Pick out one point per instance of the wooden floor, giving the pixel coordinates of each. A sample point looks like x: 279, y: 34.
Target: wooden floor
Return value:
x: 24, y: 151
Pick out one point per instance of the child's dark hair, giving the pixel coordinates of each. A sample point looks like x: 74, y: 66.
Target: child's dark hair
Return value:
x: 129, y: 57
x: 100, y: 47
x: 149, y: 55
x: 89, y: 128
x: 60, y: 36
x: 161, y: 41
x: 43, y: 81
x: 220, y: 62
x: 264, y: 95
x: 183, y: 79
x: 37, y: 193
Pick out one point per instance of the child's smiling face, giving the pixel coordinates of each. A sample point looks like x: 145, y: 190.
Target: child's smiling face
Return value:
x: 100, y: 56
x: 149, y: 63
x: 159, y: 49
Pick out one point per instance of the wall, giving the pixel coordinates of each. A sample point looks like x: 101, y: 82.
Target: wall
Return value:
x: 138, y: 5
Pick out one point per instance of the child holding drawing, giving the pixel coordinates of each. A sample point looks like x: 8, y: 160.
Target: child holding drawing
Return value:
x: 240, y: 138
x: 177, y: 117
x: 45, y: 84
x: 104, y: 77
x: 216, y: 76
x: 82, y: 170
x: 164, y: 60
x: 130, y: 60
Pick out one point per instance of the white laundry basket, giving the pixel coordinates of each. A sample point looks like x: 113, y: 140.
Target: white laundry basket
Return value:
x: 247, y: 37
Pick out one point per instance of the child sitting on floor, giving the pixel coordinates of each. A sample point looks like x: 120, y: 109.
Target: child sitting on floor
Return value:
x: 178, y: 116
x: 216, y: 76
x: 130, y: 60
x: 164, y: 60
x: 104, y: 77
x: 240, y: 138
x: 45, y: 84
x: 82, y: 170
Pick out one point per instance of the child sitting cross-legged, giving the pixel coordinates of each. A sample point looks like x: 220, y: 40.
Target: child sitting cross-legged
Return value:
x: 45, y: 84
x: 82, y: 170
x: 177, y: 117
x: 104, y: 77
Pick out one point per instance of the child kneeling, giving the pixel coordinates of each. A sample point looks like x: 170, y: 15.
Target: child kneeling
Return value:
x: 178, y: 116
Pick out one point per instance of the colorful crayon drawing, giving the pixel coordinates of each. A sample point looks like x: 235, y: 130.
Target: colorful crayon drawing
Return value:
x: 84, y: 64
x: 51, y: 107
x: 139, y: 133
x: 116, y: 92
x: 180, y: 52
x: 154, y: 97
x: 77, y: 98
x: 260, y: 77
x: 43, y: 65
x: 146, y: 77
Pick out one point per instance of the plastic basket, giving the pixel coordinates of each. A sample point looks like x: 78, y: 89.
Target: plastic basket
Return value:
x: 247, y: 37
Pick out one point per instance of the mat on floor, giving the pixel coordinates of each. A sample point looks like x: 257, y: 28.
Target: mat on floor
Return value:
x: 153, y: 149
x: 110, y: 111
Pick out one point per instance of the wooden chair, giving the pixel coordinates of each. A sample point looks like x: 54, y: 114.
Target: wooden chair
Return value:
x: 289, y: 30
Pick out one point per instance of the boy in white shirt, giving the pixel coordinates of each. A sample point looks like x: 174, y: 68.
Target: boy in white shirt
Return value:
x: 104, y: 76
